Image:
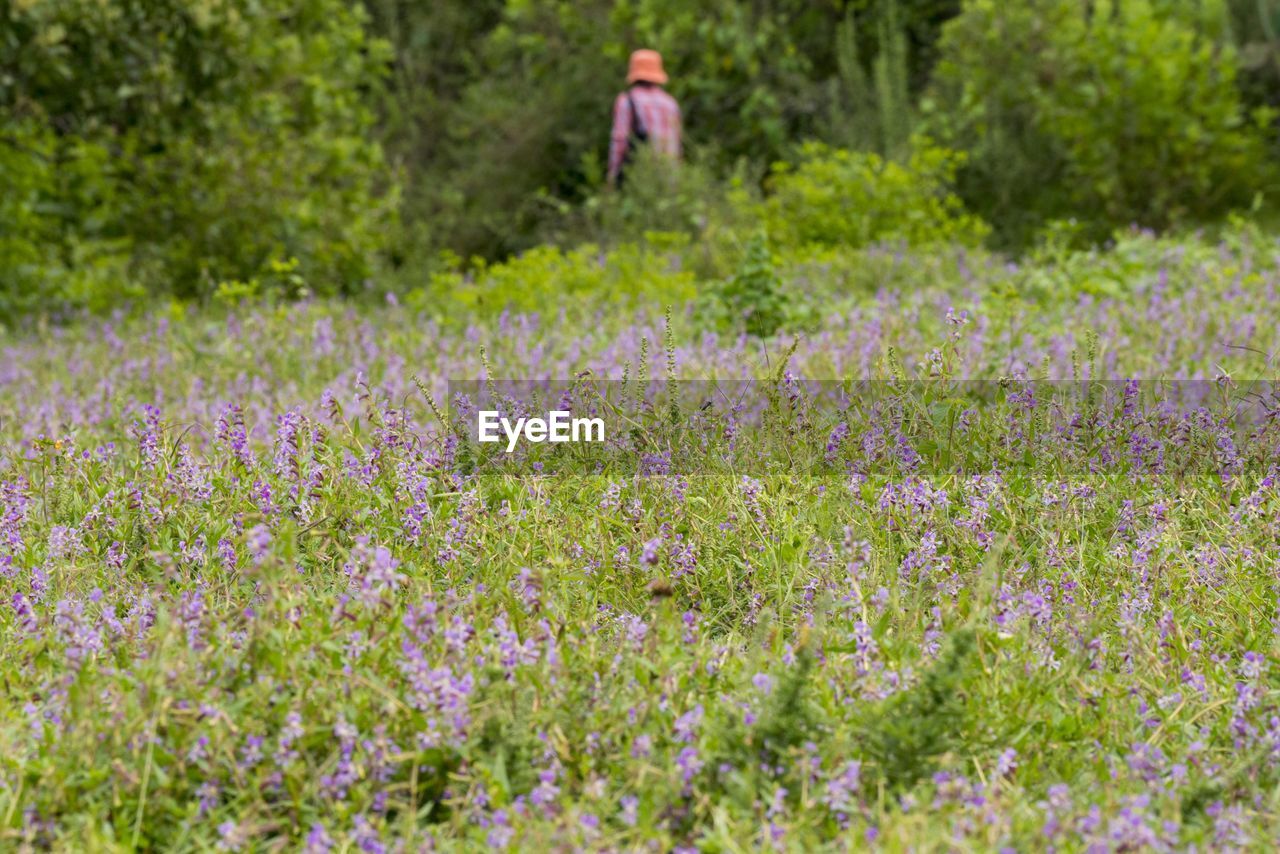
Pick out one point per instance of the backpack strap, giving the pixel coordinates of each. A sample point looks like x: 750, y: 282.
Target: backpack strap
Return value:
x: 637, y: 123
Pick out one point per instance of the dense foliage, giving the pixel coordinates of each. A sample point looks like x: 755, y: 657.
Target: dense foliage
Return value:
x: 191, y: 146
x: 256, y: 596
x: 194, y: 147
x: 1112, y: 112
x: 844, y: 198
x: 185, y: 143
x: 1109, y: 113
x: 937, y: 503
x: 497, y: 107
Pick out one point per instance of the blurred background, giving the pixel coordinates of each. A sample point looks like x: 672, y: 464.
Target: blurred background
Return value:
x: 225, y: 149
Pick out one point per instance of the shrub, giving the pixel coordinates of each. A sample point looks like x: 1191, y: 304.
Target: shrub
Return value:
x: 201, y: 140
x: 753, y: 298
x: 833, y: 196
x: 548, y: 278
x: 1116, y: 113
x: 1161, y: 131
x: 660, y: 195
x: 871, y: 108
x: 908, y: 733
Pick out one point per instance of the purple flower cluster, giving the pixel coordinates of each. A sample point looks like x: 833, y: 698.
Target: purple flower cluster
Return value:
x: 274, y: 601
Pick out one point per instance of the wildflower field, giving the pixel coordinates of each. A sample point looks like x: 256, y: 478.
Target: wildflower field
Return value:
x: 259, y: 594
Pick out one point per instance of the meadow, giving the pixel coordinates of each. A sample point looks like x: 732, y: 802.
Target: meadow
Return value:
x: 258, y: 595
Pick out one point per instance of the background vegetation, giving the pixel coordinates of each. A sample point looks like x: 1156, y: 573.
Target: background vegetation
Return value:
x: 192, y: 148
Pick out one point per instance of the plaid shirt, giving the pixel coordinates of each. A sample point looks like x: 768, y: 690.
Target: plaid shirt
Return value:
x: 659, y: 116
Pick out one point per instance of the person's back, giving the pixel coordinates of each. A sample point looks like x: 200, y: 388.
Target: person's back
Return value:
x: 645, y: 113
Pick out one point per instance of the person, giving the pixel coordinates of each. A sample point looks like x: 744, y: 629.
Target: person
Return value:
x: 644, y: 113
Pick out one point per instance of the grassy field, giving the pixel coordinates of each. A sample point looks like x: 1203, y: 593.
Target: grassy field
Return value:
x: 257, y: 596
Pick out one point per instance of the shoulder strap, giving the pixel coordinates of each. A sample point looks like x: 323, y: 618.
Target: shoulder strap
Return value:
x: 637, y: 123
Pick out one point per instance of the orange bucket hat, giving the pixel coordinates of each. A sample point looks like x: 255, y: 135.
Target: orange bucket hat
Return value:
x: 646, y: 65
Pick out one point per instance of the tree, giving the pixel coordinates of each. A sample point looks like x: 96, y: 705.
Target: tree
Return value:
x: 204, y: 139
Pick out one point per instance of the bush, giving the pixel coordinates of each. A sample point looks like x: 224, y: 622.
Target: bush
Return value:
x: 1116, y: 113
x: 548, y: 278
x: 1161, y: 131
x: 196, y: 141
x: 753, y: 298
x: 833, y: 196
x: 907, y: 735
